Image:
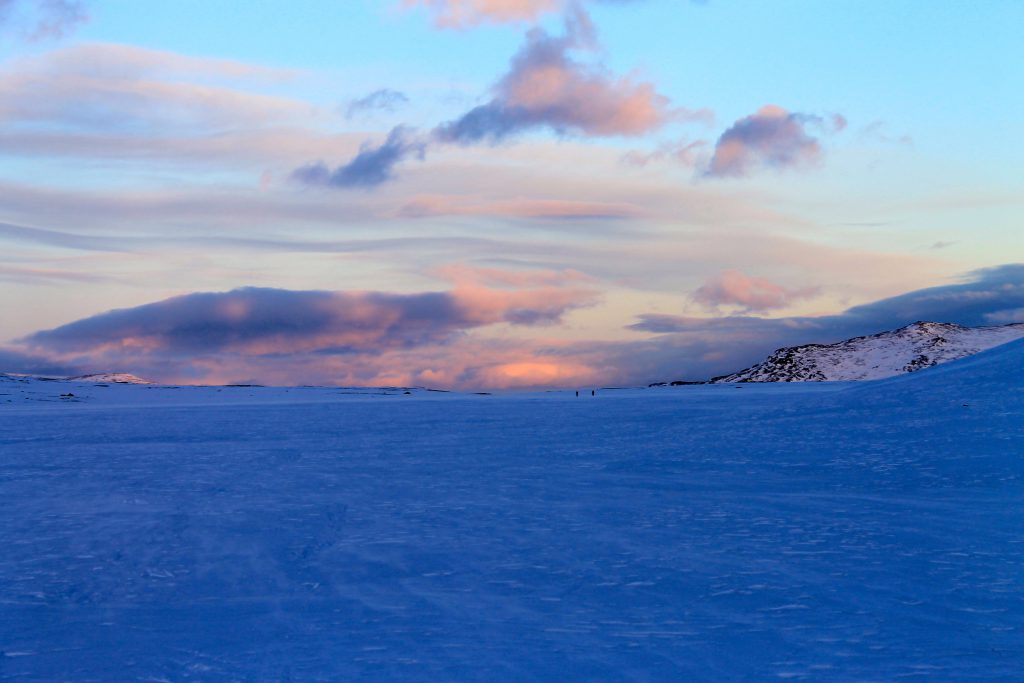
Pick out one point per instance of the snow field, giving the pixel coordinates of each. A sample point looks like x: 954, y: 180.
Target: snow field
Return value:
x: 794, y: 532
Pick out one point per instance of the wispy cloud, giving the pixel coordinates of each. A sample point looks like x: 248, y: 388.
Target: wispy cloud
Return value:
x: 103, y: 89
x: 57, y: 238
x: 688, y: 153
x: 42, y: 19
x: 544, y: 209
x: 384, y: 99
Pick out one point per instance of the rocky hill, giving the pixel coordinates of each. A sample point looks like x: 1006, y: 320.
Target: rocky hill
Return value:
x: 914, y: 347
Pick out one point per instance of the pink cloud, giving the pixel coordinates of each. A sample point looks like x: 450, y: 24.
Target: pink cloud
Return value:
x: 542, y: 209
x: 733, y: 288
x: 467, y: 13
x: 462, y: 275
x: 546, y: 87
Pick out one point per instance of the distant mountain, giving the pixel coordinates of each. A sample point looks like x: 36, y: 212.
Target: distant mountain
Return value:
x: 99, y: 378
x: 914, y: 347
x: 108, y: 378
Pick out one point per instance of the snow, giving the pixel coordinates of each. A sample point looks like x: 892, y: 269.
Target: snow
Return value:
x: 97, y: 378
x: 111, y: 378
x: 914, y: 347
x: 835, y: 531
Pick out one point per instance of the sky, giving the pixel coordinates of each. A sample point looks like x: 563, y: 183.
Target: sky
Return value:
x: 498, y: 194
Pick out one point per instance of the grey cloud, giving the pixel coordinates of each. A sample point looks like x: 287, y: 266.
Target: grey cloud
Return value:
x: 384, y: 99
x: 43, y: 19
x: 771, y: 137
x: 19, y: 362
x: 372, y: 166
x: 261, y: 321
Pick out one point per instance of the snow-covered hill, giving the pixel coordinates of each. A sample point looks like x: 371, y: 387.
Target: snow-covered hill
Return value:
x: 109, y: 378
x: 914, y: 347
x: 98, y: 378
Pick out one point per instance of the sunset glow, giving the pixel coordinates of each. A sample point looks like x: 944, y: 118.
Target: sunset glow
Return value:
x: 484, y: 194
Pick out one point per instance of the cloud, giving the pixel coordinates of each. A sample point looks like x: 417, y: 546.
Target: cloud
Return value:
x: 372, y: 166
x: 463, y: 14
x: 546, y: 88
x: 47, y: 276
x: 733, y: 288
x: 468, y: 13
x: 57, y: 238
x: 463, y: 275
x: 18, y: 362
x: 384, y: 99
x: 424, y: 206
x: 98, y: 88
x: 770, y: 138
x: 685, y: 153
x: 270, y: 321
x: 876, y: 132
x: 43, y: 19
x: 204, y: 335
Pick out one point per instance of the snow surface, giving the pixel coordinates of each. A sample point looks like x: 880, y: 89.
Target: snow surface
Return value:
x: 848, y: 532
x: 914, y: 347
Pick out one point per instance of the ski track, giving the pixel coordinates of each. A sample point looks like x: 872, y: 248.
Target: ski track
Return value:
x: 785, y: 532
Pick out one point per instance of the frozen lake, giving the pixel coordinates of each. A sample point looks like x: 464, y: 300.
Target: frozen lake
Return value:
x: 822, y: 532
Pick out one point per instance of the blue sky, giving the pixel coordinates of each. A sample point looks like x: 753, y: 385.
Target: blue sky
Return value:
x: 620, y: 158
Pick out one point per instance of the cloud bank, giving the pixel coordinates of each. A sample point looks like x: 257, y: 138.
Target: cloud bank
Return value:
x: 312, y: 336
x: 374, y: 338
x: 270, y: 321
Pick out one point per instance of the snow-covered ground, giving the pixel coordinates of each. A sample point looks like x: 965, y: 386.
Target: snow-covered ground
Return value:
x: 705, y: 533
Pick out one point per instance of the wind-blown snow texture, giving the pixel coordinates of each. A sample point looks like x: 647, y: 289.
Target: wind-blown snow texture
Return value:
x: 914, y: 347
x: 796, y: 531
